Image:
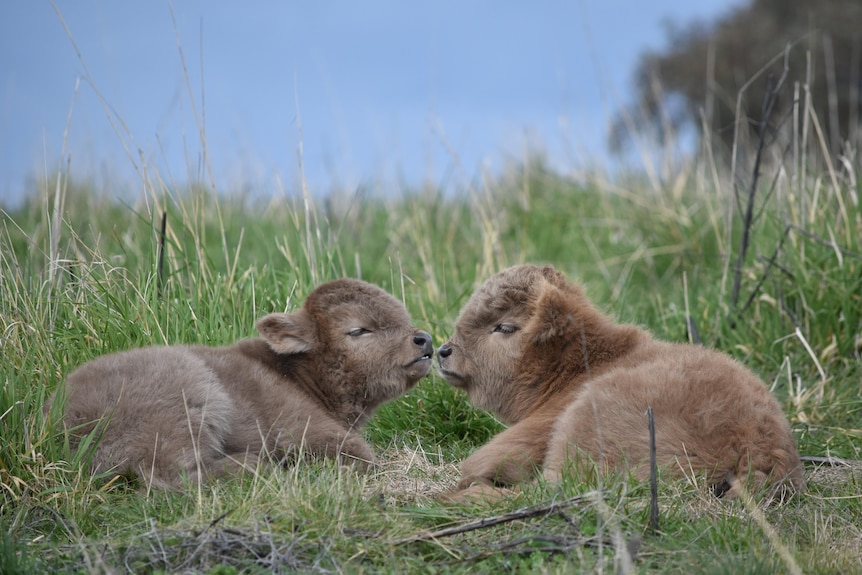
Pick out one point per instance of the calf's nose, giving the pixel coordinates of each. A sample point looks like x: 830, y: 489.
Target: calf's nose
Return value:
x: 423, y: 340
x: 444, y: 351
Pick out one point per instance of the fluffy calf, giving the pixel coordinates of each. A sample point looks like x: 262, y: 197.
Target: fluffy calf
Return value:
x: 310, y: 380
x: 574, y: 387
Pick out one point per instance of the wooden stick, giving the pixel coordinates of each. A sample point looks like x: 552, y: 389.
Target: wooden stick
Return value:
x: 523, y: 513
x: 161, y: 255
x: 653, y: 474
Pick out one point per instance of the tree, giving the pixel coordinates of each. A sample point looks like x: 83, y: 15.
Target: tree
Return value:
x: 695, y: 82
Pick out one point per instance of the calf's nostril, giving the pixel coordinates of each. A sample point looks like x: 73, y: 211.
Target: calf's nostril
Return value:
x: 444, y: 351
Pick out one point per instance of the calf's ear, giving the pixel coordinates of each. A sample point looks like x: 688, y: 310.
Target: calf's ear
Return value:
x: 554, y: 277
x: 552, y: 318
x: 287, y: 333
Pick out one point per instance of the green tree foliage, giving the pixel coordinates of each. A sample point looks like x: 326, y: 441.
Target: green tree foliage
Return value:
x: 696, y: 80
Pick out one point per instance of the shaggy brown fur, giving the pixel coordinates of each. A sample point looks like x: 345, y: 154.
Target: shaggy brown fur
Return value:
x: 574, y: 387
x: 307, y: 384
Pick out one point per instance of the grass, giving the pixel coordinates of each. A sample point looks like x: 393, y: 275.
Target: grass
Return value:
x: 80, y: 276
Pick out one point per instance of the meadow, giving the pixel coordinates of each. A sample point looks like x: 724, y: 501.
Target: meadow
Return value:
x: 767, y: 269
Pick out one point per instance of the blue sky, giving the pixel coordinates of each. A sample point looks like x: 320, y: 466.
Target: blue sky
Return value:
x: 378, y: 92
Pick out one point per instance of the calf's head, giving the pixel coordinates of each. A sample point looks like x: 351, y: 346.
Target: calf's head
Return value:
x: 510, y: 336
x: 359, y: 340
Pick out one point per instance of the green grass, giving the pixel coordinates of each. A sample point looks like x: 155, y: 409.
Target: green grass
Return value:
x: 79, y: 278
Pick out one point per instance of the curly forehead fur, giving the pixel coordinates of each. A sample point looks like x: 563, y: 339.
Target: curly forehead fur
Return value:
x: 352, y: 291
x: 552, y: 306
x: 517, y: 286
x: 351, y: 296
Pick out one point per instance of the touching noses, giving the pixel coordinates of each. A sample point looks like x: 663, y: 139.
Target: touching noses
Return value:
x: 423, y: 340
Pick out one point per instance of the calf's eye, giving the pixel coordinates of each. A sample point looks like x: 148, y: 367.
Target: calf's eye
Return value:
x: 358, y: 331
x: 505, y: 328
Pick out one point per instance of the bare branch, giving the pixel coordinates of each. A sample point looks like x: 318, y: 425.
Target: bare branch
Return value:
x: 485, y: 522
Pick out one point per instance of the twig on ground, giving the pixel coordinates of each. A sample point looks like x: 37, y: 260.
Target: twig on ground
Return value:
x: 828, y: 460
x: 161, y: 256
x: 213, y: 523
x: 546, y: 544
x: 485, y: 522
x: 653, y: 474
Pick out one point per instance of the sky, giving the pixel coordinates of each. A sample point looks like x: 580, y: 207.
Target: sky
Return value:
x: 256, y: 96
